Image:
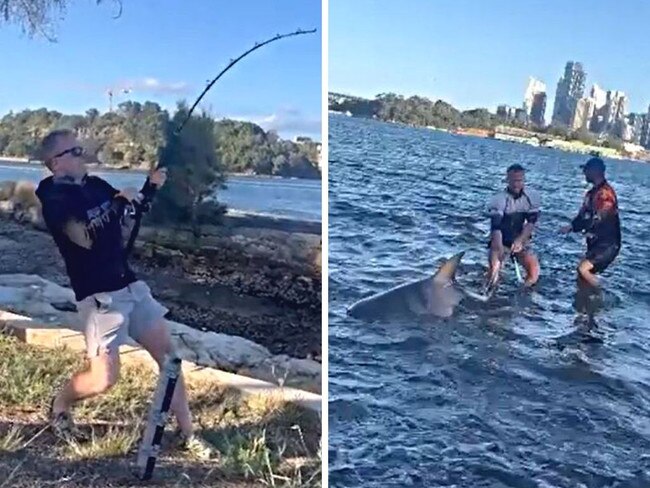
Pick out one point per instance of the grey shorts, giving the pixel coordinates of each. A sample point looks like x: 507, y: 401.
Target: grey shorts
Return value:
x: 108, y: 319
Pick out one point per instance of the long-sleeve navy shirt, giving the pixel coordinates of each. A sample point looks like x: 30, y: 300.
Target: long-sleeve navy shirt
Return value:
x: 85, y: 220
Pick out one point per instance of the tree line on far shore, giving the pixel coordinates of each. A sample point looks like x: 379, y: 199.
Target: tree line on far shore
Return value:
x: 197, y: 158
x: 423, y: 112
x: 133, y: 135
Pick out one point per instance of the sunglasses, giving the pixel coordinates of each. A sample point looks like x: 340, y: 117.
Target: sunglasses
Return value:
x: 76, y: 151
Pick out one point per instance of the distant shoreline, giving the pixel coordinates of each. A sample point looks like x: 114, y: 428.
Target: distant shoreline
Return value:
x: 27, y: 163
x: 573, y: 146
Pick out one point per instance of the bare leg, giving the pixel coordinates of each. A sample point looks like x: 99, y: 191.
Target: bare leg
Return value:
x: 102, y: 374
x: 531, y: 264
x: 157, y: 342
x: 495, y: 261
x: 585, y: 274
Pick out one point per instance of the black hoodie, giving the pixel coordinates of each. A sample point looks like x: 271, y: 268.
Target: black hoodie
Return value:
x: 85, y: 220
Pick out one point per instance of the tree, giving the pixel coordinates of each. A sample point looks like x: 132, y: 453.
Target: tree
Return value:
x: 194, y: 170
x: 92, y: 115
x: 586, y: 137
x: 132, y: 136
x: 479, y: 118
x: 559, y: 131
x: 614, y: 143
x: 36, y: 16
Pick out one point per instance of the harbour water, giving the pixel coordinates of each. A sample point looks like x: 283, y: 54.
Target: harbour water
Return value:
x: 526, y: 390
x: 281, y: 197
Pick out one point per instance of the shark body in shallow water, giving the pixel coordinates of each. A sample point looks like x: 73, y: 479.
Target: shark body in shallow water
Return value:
x: 436, y: 296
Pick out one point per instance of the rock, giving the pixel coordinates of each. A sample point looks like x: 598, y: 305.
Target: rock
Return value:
x: 306, y: 367
x: 24, y: 195
x: 167, y: 253
x: 239, y: 355
x: 284, y: 370
x: 237, y: 351
x: 7, y: 189
x: 20, y: 216
x: 33, y: 296
x: 189, y: 347
x: 35, y: 217
x: 48, y: 303
x: 219, y: 350
x: 7, y: 207
x: 19, y: 200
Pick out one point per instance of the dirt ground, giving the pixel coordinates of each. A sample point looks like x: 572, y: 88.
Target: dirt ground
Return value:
x: 220, y: 292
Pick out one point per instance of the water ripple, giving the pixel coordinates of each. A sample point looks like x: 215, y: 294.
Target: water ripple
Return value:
x: 525, y: 392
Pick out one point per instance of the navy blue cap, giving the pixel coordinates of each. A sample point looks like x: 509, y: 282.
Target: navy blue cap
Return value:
x: 594, y: 163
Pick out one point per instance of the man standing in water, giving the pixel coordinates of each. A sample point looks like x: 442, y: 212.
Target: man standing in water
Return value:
x: 598, y: 219
x: 513, y: 214
x: 84, y: 215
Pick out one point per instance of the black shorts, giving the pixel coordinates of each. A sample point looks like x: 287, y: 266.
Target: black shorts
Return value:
x: 602, y: 256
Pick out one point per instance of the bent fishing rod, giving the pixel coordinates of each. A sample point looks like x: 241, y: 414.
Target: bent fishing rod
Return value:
x: 171, y: 370
x: 148, y: 190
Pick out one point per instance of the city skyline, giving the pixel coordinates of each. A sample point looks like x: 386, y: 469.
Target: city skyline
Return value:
x: 598, y: 110
x: 479, y: 55
x: 541, y: 85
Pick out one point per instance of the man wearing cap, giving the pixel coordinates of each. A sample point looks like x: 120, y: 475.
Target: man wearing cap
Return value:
x: 513, y: 214
x: 598, y: 219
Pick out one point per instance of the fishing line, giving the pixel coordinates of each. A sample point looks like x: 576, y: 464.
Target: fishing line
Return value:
x: 149, y: 190
x: 171, y: 370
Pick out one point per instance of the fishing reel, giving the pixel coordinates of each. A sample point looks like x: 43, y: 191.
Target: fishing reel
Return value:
x: 141, y: 204
x: 143, y: 199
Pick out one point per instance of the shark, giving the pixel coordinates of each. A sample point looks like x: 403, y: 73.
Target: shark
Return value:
x: 433, y: 296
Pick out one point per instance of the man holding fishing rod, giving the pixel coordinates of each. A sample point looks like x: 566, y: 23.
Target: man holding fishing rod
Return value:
x: 513, y: 214
x: 84, y: 214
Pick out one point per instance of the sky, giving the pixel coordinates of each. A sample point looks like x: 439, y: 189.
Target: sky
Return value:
x: 165, y: 51
x: 476, y: 53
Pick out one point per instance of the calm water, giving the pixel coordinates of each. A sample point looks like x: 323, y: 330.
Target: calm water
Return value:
x: 293, y: 198
x: 519, y: 392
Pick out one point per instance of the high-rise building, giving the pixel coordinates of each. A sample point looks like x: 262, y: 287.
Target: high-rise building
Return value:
x: 645, y: 131
x: 534, y: 87
x: 599, y: 95
x: 597, y: 122
x: 520, y: 115
x: 506, y: 112
x: 635, y: 127
x: 615, y: 109
x: 570, y: 89
x: 583, y: 114
x: 538, y: 109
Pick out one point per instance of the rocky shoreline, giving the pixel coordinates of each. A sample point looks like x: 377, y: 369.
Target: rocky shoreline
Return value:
x: 253, y: 277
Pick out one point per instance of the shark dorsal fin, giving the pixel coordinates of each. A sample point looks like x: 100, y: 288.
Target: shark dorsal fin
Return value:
x: 447, y: 271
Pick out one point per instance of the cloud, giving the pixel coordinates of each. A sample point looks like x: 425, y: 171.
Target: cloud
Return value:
x: 287, y: 123
x: 148, y: 85
x: 152, y: 85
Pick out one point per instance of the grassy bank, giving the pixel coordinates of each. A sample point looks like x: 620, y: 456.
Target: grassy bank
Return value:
x: 261, y: 441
